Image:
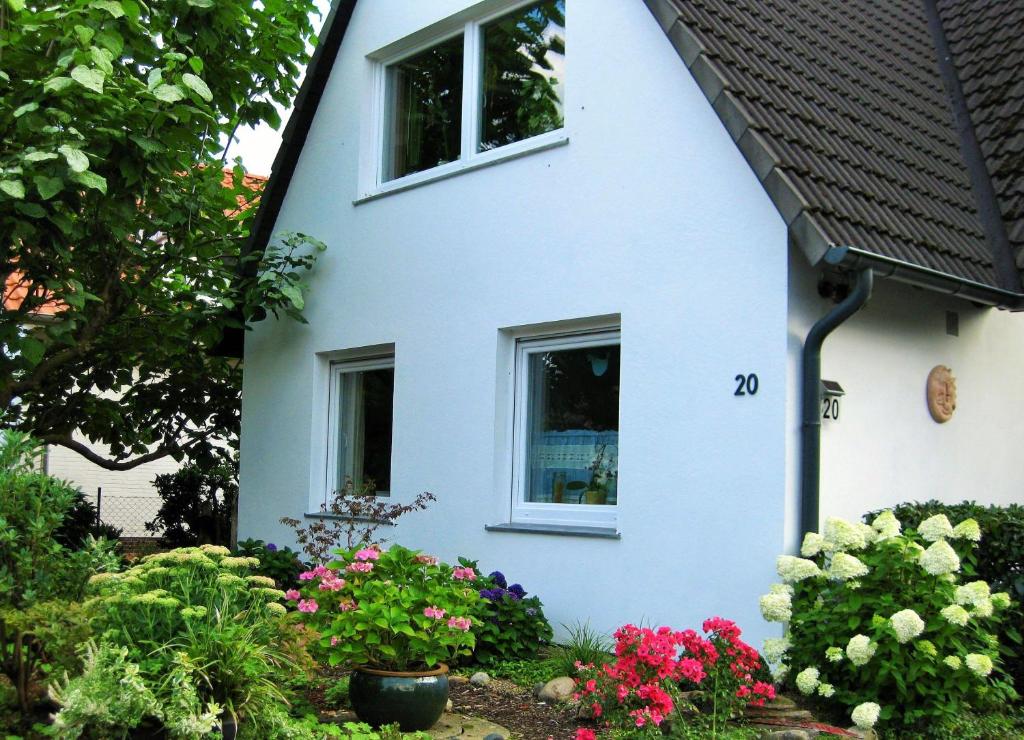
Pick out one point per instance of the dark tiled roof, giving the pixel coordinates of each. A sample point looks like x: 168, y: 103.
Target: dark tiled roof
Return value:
x: 841, y: 109
x: 987, y: 41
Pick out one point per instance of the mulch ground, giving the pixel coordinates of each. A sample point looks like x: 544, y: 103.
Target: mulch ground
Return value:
x: 515, y: 709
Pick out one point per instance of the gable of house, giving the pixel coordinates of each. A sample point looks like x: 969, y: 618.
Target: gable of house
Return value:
x: 845, y: 111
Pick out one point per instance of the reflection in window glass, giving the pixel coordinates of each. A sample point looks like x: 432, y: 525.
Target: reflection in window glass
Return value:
x: 364, y: 418
x: 523, y: 74
x: 425, y: 117
x: 573, y: 426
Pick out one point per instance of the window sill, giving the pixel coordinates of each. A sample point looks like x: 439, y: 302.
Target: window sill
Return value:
x: 566, y: 530
x: 338, y: 517
x: 478, y: 161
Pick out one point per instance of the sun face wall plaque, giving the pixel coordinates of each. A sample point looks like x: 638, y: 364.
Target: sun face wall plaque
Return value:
x: 941, y: 394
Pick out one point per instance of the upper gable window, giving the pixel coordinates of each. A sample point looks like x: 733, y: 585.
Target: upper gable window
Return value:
x: 493, y: 86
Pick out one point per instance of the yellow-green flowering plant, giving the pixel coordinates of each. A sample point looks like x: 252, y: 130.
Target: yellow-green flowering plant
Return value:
x: 889, y: 622
x: 201, y: 612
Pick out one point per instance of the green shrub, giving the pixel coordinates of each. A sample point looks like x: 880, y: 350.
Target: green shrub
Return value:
x: 195, y: 620
x: 80, y: 523
x: 35, y: 568
x: 280, y: 563
x: 197, y: 505
x: 509, y: 624
x: 880, y: 622
x: 998, y: 559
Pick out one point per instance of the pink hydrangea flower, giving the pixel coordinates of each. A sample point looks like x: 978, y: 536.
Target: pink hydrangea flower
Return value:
x: 433, y: 612
x: 331, y: 582
x: 367, y: 553
x: 347, y: 606
x: 427, y: 559
x: 360, y: 567
x: 308, y: 606
x: 464, y: 574
x: 460, y: 623
x: 320, y: 571
x: 334, y: 640
x: 307, y: 575
x: 292, y: 595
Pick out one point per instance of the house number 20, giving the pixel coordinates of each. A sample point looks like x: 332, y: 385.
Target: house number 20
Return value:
x: 746, y: 385
x: 830, y: 408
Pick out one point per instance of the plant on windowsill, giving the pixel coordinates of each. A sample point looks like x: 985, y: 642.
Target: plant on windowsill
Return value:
x: 394, y: 616
x: 603, y: 469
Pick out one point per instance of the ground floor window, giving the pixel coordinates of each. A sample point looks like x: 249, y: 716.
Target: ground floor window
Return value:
x: 566, y: 429
x: 360, y: 424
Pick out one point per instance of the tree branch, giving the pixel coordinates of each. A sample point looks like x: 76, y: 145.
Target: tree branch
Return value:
x: 88, y: 454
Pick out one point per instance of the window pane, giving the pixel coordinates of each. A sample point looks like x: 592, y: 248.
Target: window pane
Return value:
x: 364, y: 442
x: 573, y: 426
x: 523, y: 74
x: 425, y: 117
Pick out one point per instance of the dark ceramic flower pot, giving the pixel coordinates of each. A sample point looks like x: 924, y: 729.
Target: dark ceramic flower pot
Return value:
x: 414, y: 700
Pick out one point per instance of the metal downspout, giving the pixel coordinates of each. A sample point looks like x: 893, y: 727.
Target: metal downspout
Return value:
x: 810, y: 432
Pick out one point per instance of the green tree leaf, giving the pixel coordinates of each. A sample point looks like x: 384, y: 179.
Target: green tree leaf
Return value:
x: 32, y: 350
x: 88, y: 77
x: 48, y: 186
x: 196, y: 85
x: 76, y: 158
x: 169, y: 93
x: 27, y: 108
x: 14, y: 188
x: 115, y: 9
x: 57, y: 84
x: 91, y: 180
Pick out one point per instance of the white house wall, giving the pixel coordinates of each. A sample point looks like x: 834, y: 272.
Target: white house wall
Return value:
x: 885, y: 448
x: 649, y: 212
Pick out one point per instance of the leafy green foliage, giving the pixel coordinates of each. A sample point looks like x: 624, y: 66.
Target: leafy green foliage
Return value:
x: 280, y: 563
x: 998, y: 559
x: 511, y: 624
x: 996, y: 725
x: 194, y: 620
x: 336, y: 694
x: 118, y: 222
x: 197, y: 507
x: 80, y: 523
x: 35, y: 568
x: 525, y: 673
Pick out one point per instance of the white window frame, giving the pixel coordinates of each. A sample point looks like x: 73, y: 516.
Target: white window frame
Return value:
x: 524, y: 512
x: 334, y: 401
x: 373, y: 184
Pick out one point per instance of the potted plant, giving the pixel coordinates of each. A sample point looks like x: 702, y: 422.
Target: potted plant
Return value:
x: 394, y: 616
x: 603, y: 469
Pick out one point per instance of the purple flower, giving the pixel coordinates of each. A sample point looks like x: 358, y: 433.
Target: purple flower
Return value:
x: 498, y: 578
x: 516, y: 591
x: 492, y: 594
x: 271, y: 547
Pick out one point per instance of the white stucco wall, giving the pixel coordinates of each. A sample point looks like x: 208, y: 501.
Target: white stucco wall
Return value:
x: 649, y: 212
x: 885, y: 448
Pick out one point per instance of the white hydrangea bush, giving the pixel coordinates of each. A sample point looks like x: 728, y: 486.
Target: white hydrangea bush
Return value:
x: 888, y: 621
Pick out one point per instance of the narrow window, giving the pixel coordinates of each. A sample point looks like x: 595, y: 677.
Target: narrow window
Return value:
x: 359, y: 444
x: 523, y: 74
x: 567, y: 429
x: 424, y: 94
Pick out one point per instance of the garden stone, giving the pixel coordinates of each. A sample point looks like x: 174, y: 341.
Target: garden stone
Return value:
x: 557, y: 689
x: 789, y: 735
x: 456, y: 726
x: 865, y: 734
x: 457, y: 680
x: 495, y: 736
x: 480, y: 679
x: 449, y: 706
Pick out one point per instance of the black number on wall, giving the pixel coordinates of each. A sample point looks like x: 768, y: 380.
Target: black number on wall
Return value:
x: 830, y: 408
x: 747, y: 385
